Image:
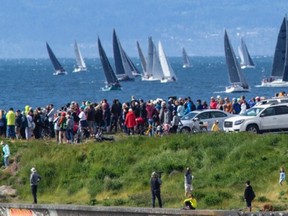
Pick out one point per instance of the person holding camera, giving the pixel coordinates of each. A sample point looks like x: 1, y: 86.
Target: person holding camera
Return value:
x: 155, y: 183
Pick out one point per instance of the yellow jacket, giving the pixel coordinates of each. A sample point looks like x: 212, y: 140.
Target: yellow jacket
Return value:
x: 10, y: 116
x: 193, y: 202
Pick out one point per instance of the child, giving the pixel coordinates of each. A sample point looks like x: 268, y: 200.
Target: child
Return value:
x: 190, y: 203
x: 215, y: 126
x: 282, y: 175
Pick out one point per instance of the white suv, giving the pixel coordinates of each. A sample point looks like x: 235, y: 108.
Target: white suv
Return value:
x: 260, y: 118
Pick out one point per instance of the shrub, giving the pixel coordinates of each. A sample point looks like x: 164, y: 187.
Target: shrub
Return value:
x: 212, y: 199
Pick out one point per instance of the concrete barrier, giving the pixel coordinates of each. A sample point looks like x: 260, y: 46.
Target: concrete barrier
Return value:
x: 12, y: 209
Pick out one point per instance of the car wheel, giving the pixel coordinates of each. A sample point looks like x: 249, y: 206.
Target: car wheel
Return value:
x: 252, y: 128
x: 185, y: 130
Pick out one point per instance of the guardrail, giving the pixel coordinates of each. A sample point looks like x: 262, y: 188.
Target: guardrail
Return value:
x: 7, y: 209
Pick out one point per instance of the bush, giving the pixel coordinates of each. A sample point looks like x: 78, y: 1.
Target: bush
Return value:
x: 212, y: 200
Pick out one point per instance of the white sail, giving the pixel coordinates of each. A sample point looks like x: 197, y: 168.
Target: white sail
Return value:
x: 157, y: 72
x: 80, y: 64
x: 168, y: 72
x: 246, y: 60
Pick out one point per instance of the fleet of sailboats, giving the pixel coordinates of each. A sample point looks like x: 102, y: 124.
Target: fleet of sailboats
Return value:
x: 59, y: 70
x: 236, y: 77
x: 279, y: 74
x: 80, y: 64
x: 246, y: 60
x: 156, y: 66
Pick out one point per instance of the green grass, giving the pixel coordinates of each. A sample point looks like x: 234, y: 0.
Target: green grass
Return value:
x: 117, y: 174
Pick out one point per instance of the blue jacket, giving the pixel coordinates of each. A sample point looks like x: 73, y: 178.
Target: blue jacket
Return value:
x: 6, y: 150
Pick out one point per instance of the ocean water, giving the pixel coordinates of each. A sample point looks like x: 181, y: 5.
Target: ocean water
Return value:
x: 30, y: 82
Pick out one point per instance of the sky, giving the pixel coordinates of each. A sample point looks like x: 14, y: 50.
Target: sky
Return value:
x: 197, y: 25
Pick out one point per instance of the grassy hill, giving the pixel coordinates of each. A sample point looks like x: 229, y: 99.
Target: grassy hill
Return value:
x: 118, y: 173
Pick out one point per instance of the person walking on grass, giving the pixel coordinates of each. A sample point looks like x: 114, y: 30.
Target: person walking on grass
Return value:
x: 282, y: 176
x: 34, y: 179
x: 6, y: 154
x: 188, y: 182
x: 249, y: 195
x: 155, y: 183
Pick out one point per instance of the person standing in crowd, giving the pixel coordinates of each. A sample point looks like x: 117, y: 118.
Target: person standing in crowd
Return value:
x: 3, y: 123
x: 249, y: 195
x: 34, y: 179
x: 6, y: 153
x: 18, y: 124
x: 155, y: 184
x: 50, y: 116
x: 10, y: 116
x: 130, y: 122
x: 69, y: 129
x: 188, y: 182
x: 62, y: 123
x: 282, y: 176
x: 190, y: 203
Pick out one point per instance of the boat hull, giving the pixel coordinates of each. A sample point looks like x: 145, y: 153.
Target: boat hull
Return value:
x: 60, y: 73
x: 274, y: 83
x: 247, y: 66
x: 77, y: 70
x: 111, y: 88
x: 166, y: 80
x: 236, y: 88
x: 149, y: 78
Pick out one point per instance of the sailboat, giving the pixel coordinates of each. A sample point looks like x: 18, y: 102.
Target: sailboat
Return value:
x: 236, y: 77
x: 168, y: 72
x: 133, y: 68
x: 142, y: 59
x: 246, y: 60
x: 123, y: 70
x: 59, y: 70
x: 279, y: 74
x: 112, y: 82
x: 150, y: 66
x: 186, y: 60
x: 80, y: 64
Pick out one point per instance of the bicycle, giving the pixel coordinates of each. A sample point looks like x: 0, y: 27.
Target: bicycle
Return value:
x: 197, y: 127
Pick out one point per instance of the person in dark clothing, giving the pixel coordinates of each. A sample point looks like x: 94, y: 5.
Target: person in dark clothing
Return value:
x: 116, y: 109
x: 155, y: 183
x: 249, y: 195
x: 18, y: 124
x: 34, y: 179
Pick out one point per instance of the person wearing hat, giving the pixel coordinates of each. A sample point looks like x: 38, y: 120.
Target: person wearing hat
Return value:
x: 34, y: 179
x: 6, y: 153
x: 155, y: 183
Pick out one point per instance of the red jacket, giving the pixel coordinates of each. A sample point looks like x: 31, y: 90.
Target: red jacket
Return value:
x: 130, y: 120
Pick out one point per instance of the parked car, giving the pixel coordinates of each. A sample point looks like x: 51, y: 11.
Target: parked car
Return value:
x: 205, y: 117
x: 273, y: 100
x: 267, y: 117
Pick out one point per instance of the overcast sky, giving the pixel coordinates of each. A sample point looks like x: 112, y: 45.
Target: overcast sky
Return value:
x: 197, y: 25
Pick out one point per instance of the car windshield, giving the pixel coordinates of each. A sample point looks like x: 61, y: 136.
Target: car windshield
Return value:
x: 252, y: 112
x: 189, y: 116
